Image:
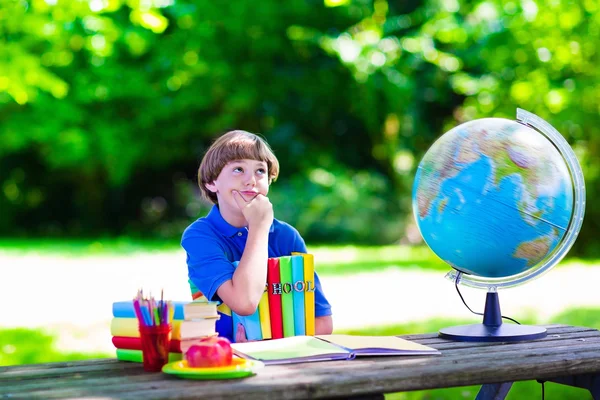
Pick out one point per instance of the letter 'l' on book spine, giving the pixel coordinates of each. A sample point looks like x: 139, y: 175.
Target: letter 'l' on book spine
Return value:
x: 298, y: 288
x: 264, y: 314
x: 274, y: 295
x: 309, y: 293
x: 287, y: 299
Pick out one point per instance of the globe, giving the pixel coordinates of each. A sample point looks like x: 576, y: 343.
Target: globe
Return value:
x: 493, y: 197
x: 500, y: 201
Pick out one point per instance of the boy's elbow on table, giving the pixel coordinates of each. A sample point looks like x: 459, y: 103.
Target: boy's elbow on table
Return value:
x: 245, y: 309
x: 324, y: 325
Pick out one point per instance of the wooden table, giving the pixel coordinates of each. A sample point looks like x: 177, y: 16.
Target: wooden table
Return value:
x: 568, y: 355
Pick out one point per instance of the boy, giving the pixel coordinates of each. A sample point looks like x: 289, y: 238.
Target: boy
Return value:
x: 235, y: 175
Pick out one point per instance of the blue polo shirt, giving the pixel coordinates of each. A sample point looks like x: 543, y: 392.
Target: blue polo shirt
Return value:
x: 212, y: 245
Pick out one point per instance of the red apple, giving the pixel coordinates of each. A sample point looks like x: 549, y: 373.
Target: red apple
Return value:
x: 210, y: 352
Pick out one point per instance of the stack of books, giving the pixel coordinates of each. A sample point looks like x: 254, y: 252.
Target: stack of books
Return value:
x: 200, y: 319
x: 124, y: 328
x: 287, y: 307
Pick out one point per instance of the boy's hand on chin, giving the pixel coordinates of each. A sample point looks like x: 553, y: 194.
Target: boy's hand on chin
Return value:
x: 257, y: 210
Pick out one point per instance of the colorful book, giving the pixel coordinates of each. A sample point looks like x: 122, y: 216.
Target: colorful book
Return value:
x: 264, y: 315
x: 274, y: 296
x: 287, y: 299
x: 300, y: 349
x: 197, y: 328
x: 251, y: 322
x: 200, y: 309
x: 124, y: 309
x: 136, y: 355
x: 298, y: 288
x: 309, y: 293
x: 251, y: 325
x: 135, y: 343
x: 129, y: 327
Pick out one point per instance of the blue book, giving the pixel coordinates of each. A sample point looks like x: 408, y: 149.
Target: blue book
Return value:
x: 124, y: 309
x: 298, y: 287
x: 251, y: 323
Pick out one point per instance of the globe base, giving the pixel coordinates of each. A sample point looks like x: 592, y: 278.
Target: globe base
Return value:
x: 485, y: 333
x: 492, y: 329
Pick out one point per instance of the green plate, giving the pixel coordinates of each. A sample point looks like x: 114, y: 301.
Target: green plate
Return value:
x: 239, y: 368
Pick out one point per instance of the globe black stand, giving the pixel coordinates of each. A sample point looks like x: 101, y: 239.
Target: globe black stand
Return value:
x: 492, y: 329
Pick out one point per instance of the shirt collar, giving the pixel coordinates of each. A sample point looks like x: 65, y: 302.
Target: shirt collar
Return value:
x: 215, y: 218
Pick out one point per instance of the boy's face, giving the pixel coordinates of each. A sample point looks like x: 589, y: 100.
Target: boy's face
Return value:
x: 249, y: 177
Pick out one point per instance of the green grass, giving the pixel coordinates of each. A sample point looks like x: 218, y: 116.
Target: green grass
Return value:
x: 86, y: 247
x: 30, y: 346
x: 589, y: 317
x: 330, y: 260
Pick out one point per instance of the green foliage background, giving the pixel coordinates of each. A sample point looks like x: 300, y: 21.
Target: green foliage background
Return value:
x: 106, y: 106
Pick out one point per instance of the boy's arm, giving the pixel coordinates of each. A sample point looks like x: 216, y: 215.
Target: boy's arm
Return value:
x: 323, y: 325
x: 243, y: 292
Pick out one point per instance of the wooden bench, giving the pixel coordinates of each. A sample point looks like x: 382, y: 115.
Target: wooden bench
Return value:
x: 568, y: 355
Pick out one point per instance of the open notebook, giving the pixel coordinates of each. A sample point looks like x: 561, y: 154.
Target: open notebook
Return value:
x: 299, y: 349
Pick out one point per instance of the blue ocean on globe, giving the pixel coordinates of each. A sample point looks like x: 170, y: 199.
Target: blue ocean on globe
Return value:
x: 493, y: 197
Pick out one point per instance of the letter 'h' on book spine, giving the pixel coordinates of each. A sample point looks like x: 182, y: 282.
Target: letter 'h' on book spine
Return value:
x: 287, y: 299
x: 274, y: 295
x: 309, y: 292
x: 298, y: 287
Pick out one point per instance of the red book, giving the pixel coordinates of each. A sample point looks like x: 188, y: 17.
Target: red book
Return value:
x: 135, y: 343
x: 274, y: 296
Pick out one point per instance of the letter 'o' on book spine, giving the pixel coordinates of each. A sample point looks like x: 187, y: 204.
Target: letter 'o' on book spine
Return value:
x: 274, y: 295
x: 298, y: 288
x: 287, y: 299
x: 264, y: 315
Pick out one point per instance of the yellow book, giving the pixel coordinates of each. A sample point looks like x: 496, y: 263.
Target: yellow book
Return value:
x: 265, y: 316
x: 309, y: 294
x: 129, y: 327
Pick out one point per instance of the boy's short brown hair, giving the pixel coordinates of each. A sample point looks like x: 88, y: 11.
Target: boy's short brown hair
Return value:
x: 234, y: 145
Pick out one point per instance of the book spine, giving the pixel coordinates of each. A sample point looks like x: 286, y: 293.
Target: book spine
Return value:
x: 309, y: 292
x: 264, y: 315
x: 124, y: 309
x: 251, y: 325
x: 298, y: 288
x: 131, y: 343
x: 287, y: 300
x: 129, y: 327
x: 274, y: 296
x: 137, y: 356
x: 251, y: 322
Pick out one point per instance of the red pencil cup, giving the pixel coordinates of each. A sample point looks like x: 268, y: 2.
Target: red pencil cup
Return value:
x: 155, y: 346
